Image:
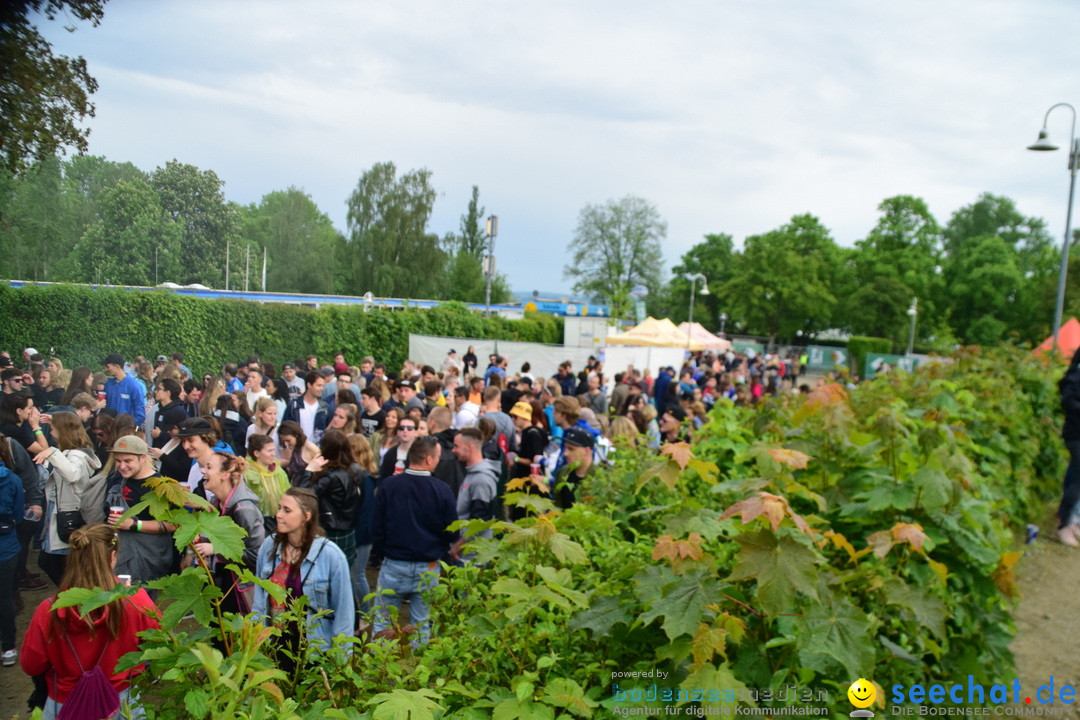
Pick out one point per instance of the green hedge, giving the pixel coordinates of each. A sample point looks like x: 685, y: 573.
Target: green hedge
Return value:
x: 83, y: 325
x: 858, y: 347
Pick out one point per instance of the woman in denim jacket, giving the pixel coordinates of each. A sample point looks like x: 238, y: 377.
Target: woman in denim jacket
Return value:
x: 300, y: 559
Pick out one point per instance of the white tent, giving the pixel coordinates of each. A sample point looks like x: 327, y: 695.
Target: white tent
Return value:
x: 698, y: 332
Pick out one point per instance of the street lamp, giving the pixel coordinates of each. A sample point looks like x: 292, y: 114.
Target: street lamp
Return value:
x: 723, y: 322
x: 491, y: 229
x: 1074, y: 162
x: 639, y: 292
x: 693, y: 278
x: 913, y: 311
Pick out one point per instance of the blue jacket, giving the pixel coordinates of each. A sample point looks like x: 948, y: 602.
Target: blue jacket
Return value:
x: 126, y: 396
x: 292, y: 412
x: 11, y: 510
x: 327, y: 586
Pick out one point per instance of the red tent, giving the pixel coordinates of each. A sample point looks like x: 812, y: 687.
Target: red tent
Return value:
x: 1068, y: 339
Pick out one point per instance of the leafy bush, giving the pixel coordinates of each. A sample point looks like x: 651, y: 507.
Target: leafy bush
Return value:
x: 809, y: 542
x: 212, y: 332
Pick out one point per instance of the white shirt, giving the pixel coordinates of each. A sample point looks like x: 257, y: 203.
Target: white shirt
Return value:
x: 253, y: 398
x: 308, y: 411
x: 467, y: 416
x: 297, y: 386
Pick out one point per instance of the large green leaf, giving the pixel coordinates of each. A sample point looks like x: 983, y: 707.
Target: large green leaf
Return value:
x: 225, y: 535
x: 934, y: 488
x: 90, y: 599
x: 604, y: 613
x: 917, y: 604
x: 188, y: 592
x: 399, y: 704
x: 836, y: 632
x: 563, y: 692
x: 682, y: 604
x: 779, y: 564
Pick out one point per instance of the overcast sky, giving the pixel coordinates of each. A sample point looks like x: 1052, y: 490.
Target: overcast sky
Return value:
x: 728, y: 116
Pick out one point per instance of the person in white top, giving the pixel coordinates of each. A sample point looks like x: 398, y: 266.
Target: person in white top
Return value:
x: 265, y: 421
x: 468, y: 413
x: 254, y: 388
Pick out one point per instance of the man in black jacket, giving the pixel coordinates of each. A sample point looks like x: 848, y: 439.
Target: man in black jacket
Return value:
x: 449, y: 469
x: 412, y: 512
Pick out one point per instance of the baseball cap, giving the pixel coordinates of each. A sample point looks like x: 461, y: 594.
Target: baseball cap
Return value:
x: 30, y: 351
x: 406, y: 383
x: 162, y: 358
x: 288, y: 366
x: 130, y: 445
x: 578, y: 436
x: 195, y: 426
x: 113, y: 359
x: 327, y: 372
x: 452, y: 351
x: 522, y: 410
x: 340, y: 368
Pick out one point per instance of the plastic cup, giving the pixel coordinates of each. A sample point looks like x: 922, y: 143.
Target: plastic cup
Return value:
x: 534, y: 468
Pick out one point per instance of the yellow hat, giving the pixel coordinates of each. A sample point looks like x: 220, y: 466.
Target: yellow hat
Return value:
x: 522, y: 410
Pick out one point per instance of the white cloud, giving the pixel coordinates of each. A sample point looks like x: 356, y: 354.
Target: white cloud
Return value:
x: 730, y: 117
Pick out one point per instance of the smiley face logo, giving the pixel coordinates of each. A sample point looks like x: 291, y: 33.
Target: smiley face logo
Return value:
x: 862, y: 693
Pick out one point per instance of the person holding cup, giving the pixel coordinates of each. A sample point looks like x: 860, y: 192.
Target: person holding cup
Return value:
x: 145, y: 550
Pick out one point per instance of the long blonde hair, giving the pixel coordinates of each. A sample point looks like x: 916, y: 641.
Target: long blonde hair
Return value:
x: 90, y: 565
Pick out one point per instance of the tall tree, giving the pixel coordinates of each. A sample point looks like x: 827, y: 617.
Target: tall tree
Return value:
x: 714, y: 259
x: 39, y: 222
x: 135, y: 242
x: 901, y: 255
x: 195, y: 199
x: 389, y: 251
x: 782, y: 280
x: 617, y: 246
x: 43, y: 96
x: 1024, y: 304
x: 466, y: 280
x: 300, y: 241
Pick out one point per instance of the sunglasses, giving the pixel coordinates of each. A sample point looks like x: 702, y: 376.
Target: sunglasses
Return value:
x: 410, y: 428
x: 15, y: 380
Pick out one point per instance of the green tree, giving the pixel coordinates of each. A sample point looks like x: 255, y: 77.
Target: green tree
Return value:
x: 43, y: 96
x: 617, y: 246
x: 900, y: 256
x: 389, y: 251
x: 1024, y: 267
x: 782, y: 281
x: 466, y: 280
x: 196, y: 201
x: 714, y: 259
x: 300, y: 241
x: 133, y: 240
x: 39, y: 222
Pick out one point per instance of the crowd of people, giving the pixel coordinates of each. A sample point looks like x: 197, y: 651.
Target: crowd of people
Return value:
x: 331, y: 469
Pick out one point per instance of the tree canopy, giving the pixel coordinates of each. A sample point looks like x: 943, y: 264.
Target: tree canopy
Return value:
x: 43, y: 97
x: 617, y: 246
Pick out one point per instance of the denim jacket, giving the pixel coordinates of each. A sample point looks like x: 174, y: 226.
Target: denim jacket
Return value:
x: 327, y: 585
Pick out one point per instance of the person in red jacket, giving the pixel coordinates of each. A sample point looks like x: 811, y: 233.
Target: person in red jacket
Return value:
x: 60, y: 645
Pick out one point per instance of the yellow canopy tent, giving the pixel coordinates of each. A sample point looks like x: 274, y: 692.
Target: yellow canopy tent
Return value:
x: 655, y: 333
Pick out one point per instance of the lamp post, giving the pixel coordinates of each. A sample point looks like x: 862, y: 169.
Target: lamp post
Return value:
x: 913, y: 311
x: 491, y: 230
x: 1074, y: 162
x: 693, y: 278
x: 723, y: 322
